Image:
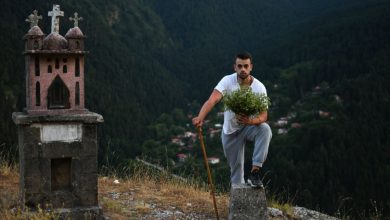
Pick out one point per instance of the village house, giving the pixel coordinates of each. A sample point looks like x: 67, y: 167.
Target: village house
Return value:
x: 282, y: 131
x: 181, y: 157
x: 291, y: 115
x: 218, y: 125
x: 214, y: 132
x: 323, y: 114
x: 178, y: 141
x: 338, y: 99
x: 296, y: 125
x: 283, y: 121
x: 188, y: 134
x: 213, y: 160
x: 220, y: 114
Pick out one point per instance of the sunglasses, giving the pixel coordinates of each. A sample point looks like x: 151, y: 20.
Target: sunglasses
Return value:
x: 245, y: 66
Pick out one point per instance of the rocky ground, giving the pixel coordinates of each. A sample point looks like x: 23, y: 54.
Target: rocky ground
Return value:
x: 145, y: 198
x: 137, y: 203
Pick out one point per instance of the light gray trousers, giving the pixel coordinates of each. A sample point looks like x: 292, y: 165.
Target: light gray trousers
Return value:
x: 234, y: 147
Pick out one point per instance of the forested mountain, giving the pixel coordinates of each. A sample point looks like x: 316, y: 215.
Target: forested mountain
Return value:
x: 340, y: 162
x: 209, y: 33
x: 148, y: 57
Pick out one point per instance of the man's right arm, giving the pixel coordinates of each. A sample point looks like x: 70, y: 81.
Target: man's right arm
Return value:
x: 214, y: 98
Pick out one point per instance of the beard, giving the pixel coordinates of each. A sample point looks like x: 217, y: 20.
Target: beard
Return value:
x: 243, y: 75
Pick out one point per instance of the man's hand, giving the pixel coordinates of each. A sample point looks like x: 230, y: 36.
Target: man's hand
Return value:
x: 258, y: 119
x: 243, y: 119
x: 197, y: 122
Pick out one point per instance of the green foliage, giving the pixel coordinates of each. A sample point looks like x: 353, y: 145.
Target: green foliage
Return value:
x: 342, y: 153
x: 244, y: 101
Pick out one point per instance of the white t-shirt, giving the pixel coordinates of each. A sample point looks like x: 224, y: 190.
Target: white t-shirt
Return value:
x: 228, y: 84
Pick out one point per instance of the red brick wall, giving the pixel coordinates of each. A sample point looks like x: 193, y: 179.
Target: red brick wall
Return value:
x: 46, y: 79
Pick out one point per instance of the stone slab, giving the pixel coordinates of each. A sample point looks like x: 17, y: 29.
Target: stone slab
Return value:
x: 22, y: 118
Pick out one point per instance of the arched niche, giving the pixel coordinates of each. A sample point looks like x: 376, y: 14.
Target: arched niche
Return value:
x: 58, y: 95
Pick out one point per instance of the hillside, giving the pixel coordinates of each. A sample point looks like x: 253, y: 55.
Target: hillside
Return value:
x: 345, y: 152
x: 145, y: 195
x: 325, y: 65
x: 208, y: 33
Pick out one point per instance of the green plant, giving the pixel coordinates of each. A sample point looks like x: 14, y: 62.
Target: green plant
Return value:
x: 244, y: 101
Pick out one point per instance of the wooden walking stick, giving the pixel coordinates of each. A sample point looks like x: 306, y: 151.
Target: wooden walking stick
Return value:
x: 211, y: 186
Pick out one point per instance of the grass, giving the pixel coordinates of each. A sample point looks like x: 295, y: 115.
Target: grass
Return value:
x: 286, y: 208
x: 9, y: 179
x: 144, y: 190
x: 9, y: 194
x: 138, y: 193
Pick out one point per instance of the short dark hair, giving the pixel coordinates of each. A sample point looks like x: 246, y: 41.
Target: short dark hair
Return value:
x: 243, y: 56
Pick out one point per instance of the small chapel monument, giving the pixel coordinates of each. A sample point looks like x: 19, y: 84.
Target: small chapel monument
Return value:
x: 57, y: 135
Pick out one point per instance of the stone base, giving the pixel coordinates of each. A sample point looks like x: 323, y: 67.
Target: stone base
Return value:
x: 88, y: 213
x: 58, y: 163
x: 247, y: 203
x: 76, y: 213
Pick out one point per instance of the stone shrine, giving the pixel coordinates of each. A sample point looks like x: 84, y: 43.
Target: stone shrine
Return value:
x: 57, y: 135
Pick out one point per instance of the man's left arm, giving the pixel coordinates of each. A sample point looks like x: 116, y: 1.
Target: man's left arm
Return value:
x: 260, y: 118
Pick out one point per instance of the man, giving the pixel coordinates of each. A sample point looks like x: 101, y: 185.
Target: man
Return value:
x: 237, y: 129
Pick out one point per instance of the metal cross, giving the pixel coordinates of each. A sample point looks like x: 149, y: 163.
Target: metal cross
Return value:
x: 76, y: 19
x: 55, y: 20
x: 33, y: 19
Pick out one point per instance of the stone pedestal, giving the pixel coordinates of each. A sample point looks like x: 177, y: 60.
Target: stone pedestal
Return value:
x: 58, y: 162
x: 247, y: 203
